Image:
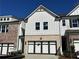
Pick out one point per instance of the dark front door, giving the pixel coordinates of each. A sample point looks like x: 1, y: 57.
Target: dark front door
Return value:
x: 64, y: 43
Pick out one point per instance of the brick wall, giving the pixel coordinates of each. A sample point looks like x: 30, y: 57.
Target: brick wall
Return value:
x: 11, y: 35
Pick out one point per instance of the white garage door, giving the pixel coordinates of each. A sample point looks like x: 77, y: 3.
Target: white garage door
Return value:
x: 76, y: 44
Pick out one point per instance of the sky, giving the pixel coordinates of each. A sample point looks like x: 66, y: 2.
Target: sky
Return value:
x: 22, y: 8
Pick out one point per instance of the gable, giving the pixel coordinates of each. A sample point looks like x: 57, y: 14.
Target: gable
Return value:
x: 75, y: 11
x: 41, y: 8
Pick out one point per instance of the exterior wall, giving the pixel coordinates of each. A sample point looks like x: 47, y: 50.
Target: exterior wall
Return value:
x: 37, y: 38
x: 44, y: 38
x: 67, y: 27
x: 64, y: 28
x: 31, y: 34
x: 71, y: 41
x: 12, y: 34
x: 73, y: 37
x: 76, y: 12
x: 9, y: 37
x: 53, y: 26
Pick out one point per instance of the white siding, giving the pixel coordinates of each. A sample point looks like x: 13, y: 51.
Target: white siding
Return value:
x: 76, y: 12
x: 53, y: 26
x: 64, y: 28
x: 67, y: 27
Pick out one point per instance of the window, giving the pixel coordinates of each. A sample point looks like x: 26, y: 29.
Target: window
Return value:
x: 7, y: 18
x: 63, y: 22
x: 3, y: 28
x: 45, y: 25
x: 37, y: 25
x: 37, y: 47
x: 31, y: 47
x: 75, y: 23
x: 1, y: 19
x: 4, y: 19
x: 6, y: 48
x: 11, y: 47
x: 52, y: 47
x: 45, y: 47
x: 76, y: 44
x: 42, y: 47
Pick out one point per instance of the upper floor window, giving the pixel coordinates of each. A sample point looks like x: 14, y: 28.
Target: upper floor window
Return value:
x: 1, y: 19
x: 3, y: 28
x: 7, y: 18
x: 37, y: 25
x: 45, y: 25
x: 74, y: 23
x: 63, y: 22
x: 4, y: 19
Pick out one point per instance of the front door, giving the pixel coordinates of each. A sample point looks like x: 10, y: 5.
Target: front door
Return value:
x: 64, y: 44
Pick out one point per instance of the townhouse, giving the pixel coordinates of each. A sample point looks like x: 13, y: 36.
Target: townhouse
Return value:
x: 42, y: 34
x: 9, y: 34
x: 69, y: 29
x: 42, y: 28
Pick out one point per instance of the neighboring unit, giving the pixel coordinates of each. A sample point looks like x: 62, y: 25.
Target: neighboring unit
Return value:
x: 69, y: 28
x: 9, y: 27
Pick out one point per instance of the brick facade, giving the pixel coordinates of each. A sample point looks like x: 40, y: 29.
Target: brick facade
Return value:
x: 12, y: 34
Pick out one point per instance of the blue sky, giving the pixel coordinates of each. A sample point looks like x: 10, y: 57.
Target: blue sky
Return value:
x: 22, y: 8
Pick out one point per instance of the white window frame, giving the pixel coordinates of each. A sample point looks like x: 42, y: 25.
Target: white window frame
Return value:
x: 75, y: 23
x: 5, y: 29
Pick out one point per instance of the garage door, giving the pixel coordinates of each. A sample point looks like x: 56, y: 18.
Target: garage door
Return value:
x: 76, y: 44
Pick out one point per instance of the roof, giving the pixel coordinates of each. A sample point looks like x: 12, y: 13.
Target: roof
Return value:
x: 10, y: 16
x: 73, y: 10
x: 67, y: 17
x: 41, y: 6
